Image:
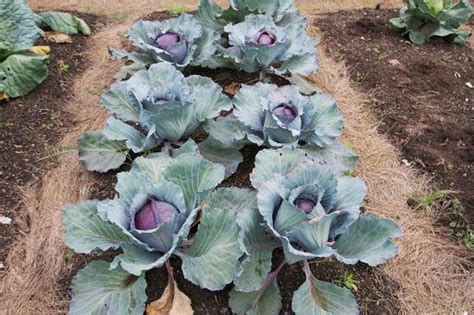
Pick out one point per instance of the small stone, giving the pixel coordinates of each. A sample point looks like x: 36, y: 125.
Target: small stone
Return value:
x: 5, y: 220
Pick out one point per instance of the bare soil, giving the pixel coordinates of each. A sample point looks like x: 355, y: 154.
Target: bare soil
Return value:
x: 30, y: 126
x: 420, y: 95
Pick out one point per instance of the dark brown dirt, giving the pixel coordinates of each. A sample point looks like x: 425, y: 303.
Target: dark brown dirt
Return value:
x: 375, y: 292
x: 30, y: 126
x: 419, y: 94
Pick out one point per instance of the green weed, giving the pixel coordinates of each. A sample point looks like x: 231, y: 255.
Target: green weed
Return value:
x: 348, y: 281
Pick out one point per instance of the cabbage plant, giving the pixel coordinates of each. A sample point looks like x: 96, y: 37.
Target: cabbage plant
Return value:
x: 149, y: 220
x: 311, y: 213
x: 155, y: 107
x: 274, y: 117
x: 259, y: 45
x: 282, y: 12
x: 181, y: 41
x: 423, y: 19
x: 23, y: 66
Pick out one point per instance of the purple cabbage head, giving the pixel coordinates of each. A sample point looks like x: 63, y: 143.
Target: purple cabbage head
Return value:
x: 305, y: 205
x: 285, y: 113
x: 154, y: 213
x: 160, y: 100
x: 173, y: 44
x: 265, y: 38
x: 166, y: 40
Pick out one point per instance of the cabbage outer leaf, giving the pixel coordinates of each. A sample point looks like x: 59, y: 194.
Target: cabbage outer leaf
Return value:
x: 266, y: 301
x: 336, y: 157
x: 254, y: 241
x: 116, y: 130
x: 98, y: 290
x: 230, y: 158
x: 212, y: 261
x: 258, y: 247
x: 279, y: 161
x: 369, y: 240
x: 18, y: 25
x: 319, y: 297
x: 65, y: 23
x: 21, y: 72
x: 120, y: 102
x: 86, y: 231
x: 100, y: 153
x: 195, y: 175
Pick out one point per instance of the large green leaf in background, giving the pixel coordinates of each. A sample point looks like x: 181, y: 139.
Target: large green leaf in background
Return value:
x: 21, y: 72
x: 65, y: 23
x: 18, y: 25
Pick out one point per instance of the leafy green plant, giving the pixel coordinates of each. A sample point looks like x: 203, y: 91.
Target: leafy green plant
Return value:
x: 423, y: 19
x: 311, y: 213
x: 163, y: 104
x: 348, y: 280
x: 282, y: 12
x: 22, y: 66
x: 259, y: 45
x: 181, y: 41
x: 426, y: 203
x: 274, y: 117
x: 157, y: 203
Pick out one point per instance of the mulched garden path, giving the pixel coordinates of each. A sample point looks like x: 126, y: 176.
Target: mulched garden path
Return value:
x: 420, y: 94
x: 30, y: 126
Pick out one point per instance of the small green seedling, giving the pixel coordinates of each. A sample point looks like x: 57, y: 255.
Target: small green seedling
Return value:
x: 68, y: 255
x: 469, y: 240
x: 348, y: 281
x: 426, y: 203
x: 175, y: 9
x: 64, y: 67
x: 349, y: 173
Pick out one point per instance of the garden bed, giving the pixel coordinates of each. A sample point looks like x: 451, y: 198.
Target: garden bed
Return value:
x: 43, y: 274
x: 374, y: 292
x: 420, y: 95
x: 32, y: 125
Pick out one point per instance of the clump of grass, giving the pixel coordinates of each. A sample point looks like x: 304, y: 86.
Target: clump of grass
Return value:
x: 427, y: 203
x: 175, y: 9
x: 449, y: 207
x: 120, y: 17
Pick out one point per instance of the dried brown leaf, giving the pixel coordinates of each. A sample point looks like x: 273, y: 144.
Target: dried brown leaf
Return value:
x: 58, y: 38
x: 172, y: 302
x: 232, y: 88
x: 3, y: 97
